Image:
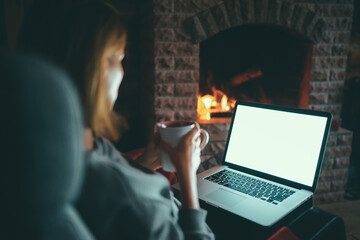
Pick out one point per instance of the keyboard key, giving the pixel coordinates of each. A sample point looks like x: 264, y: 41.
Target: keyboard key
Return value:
x: 253, y: 187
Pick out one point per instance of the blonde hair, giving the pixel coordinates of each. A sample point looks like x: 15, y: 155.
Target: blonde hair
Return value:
x: 90, y: 34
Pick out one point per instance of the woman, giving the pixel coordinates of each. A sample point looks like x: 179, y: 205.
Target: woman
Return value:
x: 121, y: 199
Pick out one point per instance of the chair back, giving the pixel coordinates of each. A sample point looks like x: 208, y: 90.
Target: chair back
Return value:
x: 41, y: 151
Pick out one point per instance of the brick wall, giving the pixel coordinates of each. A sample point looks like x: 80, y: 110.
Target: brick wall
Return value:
x: 180, y: 26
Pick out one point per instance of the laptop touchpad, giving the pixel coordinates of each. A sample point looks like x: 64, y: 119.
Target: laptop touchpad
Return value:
x: 225, y: 197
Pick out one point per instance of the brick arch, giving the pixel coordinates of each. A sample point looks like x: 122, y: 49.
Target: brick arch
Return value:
x: 238, y: 12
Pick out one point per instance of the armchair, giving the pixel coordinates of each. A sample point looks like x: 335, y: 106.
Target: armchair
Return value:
x: 40, y: 148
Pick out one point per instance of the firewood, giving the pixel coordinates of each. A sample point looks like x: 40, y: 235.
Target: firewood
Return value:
x: 246, y: 76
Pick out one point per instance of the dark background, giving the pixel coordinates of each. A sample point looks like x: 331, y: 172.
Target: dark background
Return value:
x: 26, y: 25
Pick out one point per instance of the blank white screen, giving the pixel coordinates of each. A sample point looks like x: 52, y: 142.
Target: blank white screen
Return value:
x: 282, y: 144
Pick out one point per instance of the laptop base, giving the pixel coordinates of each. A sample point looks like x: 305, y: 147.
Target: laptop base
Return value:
x: 227, y: 225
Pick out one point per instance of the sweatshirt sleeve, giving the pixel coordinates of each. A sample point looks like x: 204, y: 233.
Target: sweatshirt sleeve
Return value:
x: 156, y: 221
x: 192, y: 222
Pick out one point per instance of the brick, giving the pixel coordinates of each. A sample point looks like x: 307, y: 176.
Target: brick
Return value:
x: 331, y: 197
x: 342, y: 36
x: 193, y: 6
x: 186, y: 115
x: 335, y: 97
x: 323, y: 186
x: 320, y: 75
x: 337, y: 151
x: 187, y: 63
x: 161, y: 115
x: 164, y: 63
x: 247, y: 11
x: 308, y: 5
x: 164, y: 90
x: 261, y: 10
x: 338, y: 185
x: 186, y: 89
x: 161, y: 6
x: 322, y: 50
x: 274, y: 10
x: 340, y: 23
x: 165, y: 76
x: 337, y: 74
x: 308, y: 25
x: 323, y: 1
x: 165, y: 34
x: 207, y: 164
x: 340, y: 50
x: 344, y: 139
x: 299, y: 18
x: 188, y: 77
x: 180, y: 35
x: 234, y: 11
x: 176, y: 49
x: 218, y: 136
x: 163, y: 20
x: 332, y: 140
x: 185, y: 103
x: 329, y: 36
x: 221, y: 17
x: 205, y: 157
x: 334, y: 10
x: 216, y: 127
x: 170, y: 20
x: 328, y: 164
x: 317, y: 33
x: 214, y: 147
x: 329, y: 62
x: 339, y: 62
x: 177, y: 76
x: 321, y: 62
x: 338, y: 174
x: 335, y: 86
x: 208, y: 23
x: 345, y: 1
x: 318, y: 87
x: 342, y: 162
x: 318, y: 98
x: 195, y: 29
x: 286, y: 13
x: 165, y: 103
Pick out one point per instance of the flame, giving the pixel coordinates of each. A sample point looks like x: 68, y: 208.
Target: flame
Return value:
x: 208, y: 101
x: 224, y: 101
x: 218, y: 102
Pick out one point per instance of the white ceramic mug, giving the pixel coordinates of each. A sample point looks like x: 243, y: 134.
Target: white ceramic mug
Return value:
x: 171, y: 132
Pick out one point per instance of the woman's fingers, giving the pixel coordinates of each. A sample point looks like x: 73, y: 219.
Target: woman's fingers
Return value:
x: 192, y: 134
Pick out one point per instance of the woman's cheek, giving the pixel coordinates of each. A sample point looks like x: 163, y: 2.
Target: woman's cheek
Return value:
x: 114, y: 77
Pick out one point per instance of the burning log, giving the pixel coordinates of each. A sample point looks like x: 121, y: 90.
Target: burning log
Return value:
x: 246, y: 76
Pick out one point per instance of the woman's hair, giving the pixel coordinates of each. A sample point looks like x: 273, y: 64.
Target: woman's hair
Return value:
x: 85, y: 36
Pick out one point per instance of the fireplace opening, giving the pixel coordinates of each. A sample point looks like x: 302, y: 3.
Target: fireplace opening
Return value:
x: 254, y: 62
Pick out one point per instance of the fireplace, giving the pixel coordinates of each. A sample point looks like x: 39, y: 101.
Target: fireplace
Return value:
x: 309, y: 74
x: 254, y: 62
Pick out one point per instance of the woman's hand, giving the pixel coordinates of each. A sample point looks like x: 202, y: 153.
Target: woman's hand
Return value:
x: 185, y: 157
x: 151, y: 158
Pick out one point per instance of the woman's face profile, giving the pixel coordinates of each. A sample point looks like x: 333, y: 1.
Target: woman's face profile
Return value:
x: 114, y: 73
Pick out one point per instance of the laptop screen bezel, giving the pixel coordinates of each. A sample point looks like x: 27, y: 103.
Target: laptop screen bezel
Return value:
x: 312, y: 188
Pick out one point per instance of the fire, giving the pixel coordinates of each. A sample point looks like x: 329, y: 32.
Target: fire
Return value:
x: 218, y: 102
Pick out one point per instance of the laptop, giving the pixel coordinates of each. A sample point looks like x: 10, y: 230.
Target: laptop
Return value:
x: 271, y: 163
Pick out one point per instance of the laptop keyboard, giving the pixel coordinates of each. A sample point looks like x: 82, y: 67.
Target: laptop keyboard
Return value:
x: 253, y: 187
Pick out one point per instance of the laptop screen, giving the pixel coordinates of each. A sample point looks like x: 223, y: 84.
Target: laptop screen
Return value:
x: 280, y: 143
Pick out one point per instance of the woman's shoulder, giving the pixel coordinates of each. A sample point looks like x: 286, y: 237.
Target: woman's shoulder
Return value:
x: 106, y: 164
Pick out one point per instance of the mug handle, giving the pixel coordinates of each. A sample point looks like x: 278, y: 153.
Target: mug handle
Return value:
x: 205, y: 139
